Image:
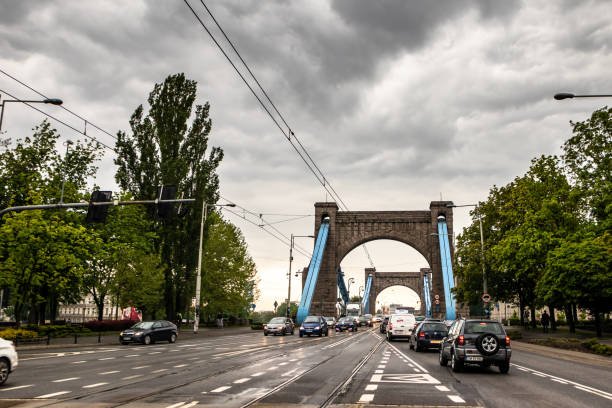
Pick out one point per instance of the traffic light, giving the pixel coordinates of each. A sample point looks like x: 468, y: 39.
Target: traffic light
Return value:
x: 165, y: 210
x: 98, y: 213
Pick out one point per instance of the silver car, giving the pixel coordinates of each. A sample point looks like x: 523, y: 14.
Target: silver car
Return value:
x: 331, y: 322
x: 279, y: 325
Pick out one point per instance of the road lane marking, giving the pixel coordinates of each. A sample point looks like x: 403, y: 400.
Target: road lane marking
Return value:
x: 539, y: 375
x: 272, y: 368
x: 371, y: 387
x: 258, y: 374
x: 378, y: 371
x: 161, y: 370
x: 407, y: 358
x: 293, y: 359
x: 138, y: 368
x: 95, y: 385
x: 110, y: 372
x: 106, y: 358
x: 559, y: 381
x: 132, y: 376
x: 442, y: 388
x: 133, y: 355
x: 180, y: 365
x: 183, y: 404
x: 456, y: 398
x: 16, y: 388
x: 55, y: 394
x: 366, y: 398
x: 221, y: 389
x: 579, y: 386
x: 242, y: 380
x: 155, y: 352
x: 79, y: 362
x: 193, y: 358
x: 382, y: 366
x: 282, y: 364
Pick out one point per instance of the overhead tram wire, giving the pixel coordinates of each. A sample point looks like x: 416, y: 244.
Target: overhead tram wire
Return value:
x: 269, y: 232
x: 321, y: 176
x: 60, y: 121
x: 61, y: 106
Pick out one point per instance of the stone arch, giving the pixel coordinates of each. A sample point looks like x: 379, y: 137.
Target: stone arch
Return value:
x: 349, y: 229
x: 377, y: 296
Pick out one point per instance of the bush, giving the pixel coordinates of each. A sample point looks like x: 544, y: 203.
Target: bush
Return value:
x: 514, y: 322
x: 57, y: 330
x: 12, y: 334
x: 257, y: 326
x: 109, y: 325
x: 598, y: 348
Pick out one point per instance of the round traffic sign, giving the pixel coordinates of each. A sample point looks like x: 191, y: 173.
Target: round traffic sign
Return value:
x: 437, y: 301
x: 437, y: 297
x: 486, y: 297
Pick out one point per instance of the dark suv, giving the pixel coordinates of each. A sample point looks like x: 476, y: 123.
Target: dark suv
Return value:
x: 479, y: 342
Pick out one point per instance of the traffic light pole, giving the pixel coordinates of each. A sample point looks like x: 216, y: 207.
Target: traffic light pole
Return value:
x: 94, y: 204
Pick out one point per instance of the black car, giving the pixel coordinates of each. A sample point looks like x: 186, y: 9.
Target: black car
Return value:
x: 383, y: 324
x: 149, y: 332
x: 346, y: 323
x: 480, y: 342
x: 428, y: 334
x: 365, y: 321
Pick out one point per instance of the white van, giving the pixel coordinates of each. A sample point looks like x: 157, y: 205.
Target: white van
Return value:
x: 400, y: 325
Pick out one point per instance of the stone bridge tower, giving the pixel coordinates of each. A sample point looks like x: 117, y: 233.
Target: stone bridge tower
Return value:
x: 350, y: 229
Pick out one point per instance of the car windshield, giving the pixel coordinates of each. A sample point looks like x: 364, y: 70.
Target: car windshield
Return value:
x: 311, y: 319
x: 277, y: 320
x: 434, y: 327
x: 363, y: 318
x: 329, y: 319
x: 345, y: 320
x: 142, y: 325
x: 483, y: 327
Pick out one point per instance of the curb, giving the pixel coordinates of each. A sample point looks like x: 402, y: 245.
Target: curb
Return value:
x: 570, y: 355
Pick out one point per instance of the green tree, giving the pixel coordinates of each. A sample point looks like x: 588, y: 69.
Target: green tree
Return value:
x: 42, y: 259
x: 281, y: 310
x: 32, y: 173
x: 228, y: 271
x: 164, y: 150
x: 126, y: 228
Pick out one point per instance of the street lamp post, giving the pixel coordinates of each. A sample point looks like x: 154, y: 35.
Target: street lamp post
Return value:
x: 52, y: 101
x: 482, y: 253
x: 199, y: 271
x: 289, y: 273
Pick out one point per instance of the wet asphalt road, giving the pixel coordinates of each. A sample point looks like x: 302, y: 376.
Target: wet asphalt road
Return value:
x: 253, y: 370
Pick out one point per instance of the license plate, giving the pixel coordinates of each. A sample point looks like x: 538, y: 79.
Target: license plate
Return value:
x: 435, y: 341
x: 127, y: 338
x: 308, y: 330
x: 473, y: 358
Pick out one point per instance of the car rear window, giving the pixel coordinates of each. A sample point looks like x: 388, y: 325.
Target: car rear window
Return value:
x: 312, y: 319
x: 483, y: 327
x: 278, y: 320
x: 434, y: 327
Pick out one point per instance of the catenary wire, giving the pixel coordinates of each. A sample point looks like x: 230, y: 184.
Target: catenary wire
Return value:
x: 324, y: 182
x: 60, y: 121
x: 62, y: 106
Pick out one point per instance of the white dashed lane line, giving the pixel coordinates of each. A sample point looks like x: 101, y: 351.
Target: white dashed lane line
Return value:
x: 257, y: 374
x: 442, y: 388
x: 456, y: 398
x: 133, y: 355
x: 106, y: 358
x: 79, y: 362
x: 131, y: 377
x: 365, y: 398
x: 55, y: 394
x: 110, y: 372
x: 95, y: 385
x: 159, y: 371
x: 242, y: 380
x: 221, y: 389
x: 371, y: 387
x: 140, y: 367
x: 180, y: 365
x: 18, y: 387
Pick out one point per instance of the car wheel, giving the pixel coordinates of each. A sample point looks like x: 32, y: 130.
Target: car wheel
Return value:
x: 504, y: 367
x: 443, y: 360
x: 417, y: 347
x: 487, y: 344
x: 172, y: 338
x: 265, y: 333
x: 456, y: 365
x: 147, y: 340
x: 320, y: 333
x: 283, y: 333
x: 4, y: 371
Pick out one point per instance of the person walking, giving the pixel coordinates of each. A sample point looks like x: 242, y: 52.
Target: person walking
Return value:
x: 220, y: 320
x: 179, y: 320
x: 545, y: 320
x: 526, y: 318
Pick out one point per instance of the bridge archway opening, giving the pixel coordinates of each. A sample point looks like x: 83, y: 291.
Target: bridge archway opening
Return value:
x: 397, y: 295
x: 390, y: 256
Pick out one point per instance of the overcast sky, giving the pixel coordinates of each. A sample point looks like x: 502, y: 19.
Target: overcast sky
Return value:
x: 399, y: 102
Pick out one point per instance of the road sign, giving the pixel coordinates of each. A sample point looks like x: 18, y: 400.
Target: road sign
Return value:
x: 437, y: 301
x: 253, y: 306
x: 437, y: 297
x: 486, y: 298
x: 193, y: 301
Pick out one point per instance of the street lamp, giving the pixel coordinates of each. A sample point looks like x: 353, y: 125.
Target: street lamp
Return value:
x: 52, y: 101
x: 289, y: 273
x: 199, y: 271
x: 565, y: 95
x: 482, y: 254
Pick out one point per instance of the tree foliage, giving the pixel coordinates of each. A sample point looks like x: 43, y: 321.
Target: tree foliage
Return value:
x: 163, y: 149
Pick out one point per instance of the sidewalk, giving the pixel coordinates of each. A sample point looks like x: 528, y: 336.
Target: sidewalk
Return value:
x: 113, y: 340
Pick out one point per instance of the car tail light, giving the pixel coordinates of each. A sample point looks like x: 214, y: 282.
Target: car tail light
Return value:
x: 421, y: 334
x: 390, y: 326
x: 461, y: 340
x: 507, y: 341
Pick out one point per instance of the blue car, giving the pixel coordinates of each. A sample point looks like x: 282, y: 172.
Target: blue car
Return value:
x: 314, y: 325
